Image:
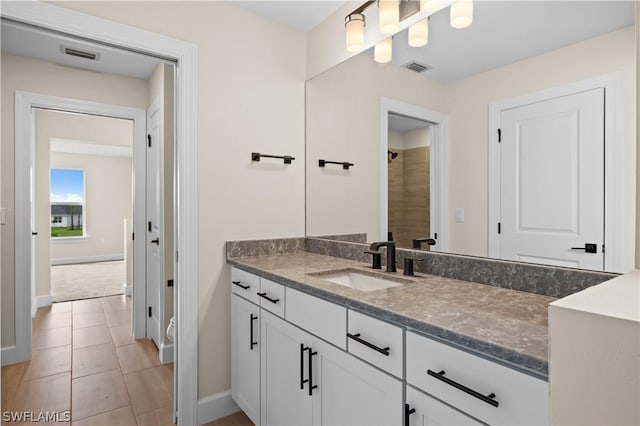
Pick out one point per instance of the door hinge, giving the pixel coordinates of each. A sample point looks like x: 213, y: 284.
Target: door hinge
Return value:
x: 133, y: 235
x: 149, y: 140
x: 149, y: 226
x: 603, y: 248
x: 170, y: 283
x: 149, y: 311
x: 435, y: 236
x: 176, y: 256
x: 499, y: 227
x: 499, y: 136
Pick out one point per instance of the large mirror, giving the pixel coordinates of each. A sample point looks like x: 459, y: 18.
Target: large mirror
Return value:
x: 430, y: 169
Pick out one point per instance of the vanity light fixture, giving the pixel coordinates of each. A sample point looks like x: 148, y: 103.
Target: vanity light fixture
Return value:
x: 419, y: 33
x: 431, y: 5
x: 389, y: 16
x: 461, y: 13
x: 382, y: 51
x: 354, y: 26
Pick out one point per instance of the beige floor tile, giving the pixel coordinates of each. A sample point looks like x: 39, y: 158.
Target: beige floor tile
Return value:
x: 121, y: 335
x: 118, y: 317
x: 149, y: 389
x: 51, y: 338
x: 47, y: 362
x: 97, y: 394
x: 116, y: 303
x: 11, y: 377
x: 94, y: 359
x: 91, y: 336
x: 52, y: 393
x: 138, y: 356
x: 121, y: 417
x: 160, y: 417
x: 47, y: 319
x: 61, y: 307
x: 87, y: 305
x: 235, y: 419
x: 88, y: 319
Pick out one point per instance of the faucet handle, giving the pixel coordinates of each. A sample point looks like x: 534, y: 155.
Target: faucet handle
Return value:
x: 377, y: 259
x: 408, y: 264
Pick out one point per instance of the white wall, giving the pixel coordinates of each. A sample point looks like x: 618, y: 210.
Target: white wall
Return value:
x: 251, y: 98
x: 343, y: 124
x: 23, y: 74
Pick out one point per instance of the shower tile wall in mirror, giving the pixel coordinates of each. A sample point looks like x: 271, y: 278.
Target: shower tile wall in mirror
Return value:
x: 524, y: 61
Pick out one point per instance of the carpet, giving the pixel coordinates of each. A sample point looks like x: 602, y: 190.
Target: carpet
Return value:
x: 87, y: 280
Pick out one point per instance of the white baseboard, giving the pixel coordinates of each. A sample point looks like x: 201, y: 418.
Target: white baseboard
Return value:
x: 8, y: 355
x: 87, y: 259
x: 40, y: 302
x: 166, y: 352
x: 126, y: 289
x: 215, y: 406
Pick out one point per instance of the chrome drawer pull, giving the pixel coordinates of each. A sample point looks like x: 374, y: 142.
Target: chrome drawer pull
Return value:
x: 489, y: 399
x: 356, y: 337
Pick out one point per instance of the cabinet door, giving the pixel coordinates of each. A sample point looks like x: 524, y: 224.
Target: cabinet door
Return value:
x: 423, y: 410
x: 245, y: 356
x: 285, y: 396
x: 351, y: 392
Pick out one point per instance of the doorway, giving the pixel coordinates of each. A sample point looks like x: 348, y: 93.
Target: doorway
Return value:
x: 413, y: 151
x: 129, y: 38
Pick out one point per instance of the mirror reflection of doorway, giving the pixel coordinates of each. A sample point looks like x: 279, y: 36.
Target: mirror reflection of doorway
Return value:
x: 409, y: 183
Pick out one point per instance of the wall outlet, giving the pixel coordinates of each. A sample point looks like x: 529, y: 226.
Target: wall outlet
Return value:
x: 459, y: 215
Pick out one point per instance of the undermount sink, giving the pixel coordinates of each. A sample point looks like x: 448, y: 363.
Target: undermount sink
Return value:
x: 359, y: 280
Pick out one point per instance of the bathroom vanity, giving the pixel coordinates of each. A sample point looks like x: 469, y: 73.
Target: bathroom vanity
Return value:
x: 425, y: 350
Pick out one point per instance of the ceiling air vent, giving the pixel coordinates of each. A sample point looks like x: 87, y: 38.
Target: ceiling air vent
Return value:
x: 80, y: 53
x: 417, y: 67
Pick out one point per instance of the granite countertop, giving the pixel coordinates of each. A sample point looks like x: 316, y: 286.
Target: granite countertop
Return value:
x: 507, y: 326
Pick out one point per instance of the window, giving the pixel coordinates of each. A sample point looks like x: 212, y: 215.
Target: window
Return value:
x: 67, y: 203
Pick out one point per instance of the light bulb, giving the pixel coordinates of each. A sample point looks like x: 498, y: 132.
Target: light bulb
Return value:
x: 462, y: 13
x: 389, y: 16
x: 354, y: 27
x: 382, y: 51
x: 419, y: 33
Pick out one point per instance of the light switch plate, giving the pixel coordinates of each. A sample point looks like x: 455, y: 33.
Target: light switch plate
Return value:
x: 459, y: 215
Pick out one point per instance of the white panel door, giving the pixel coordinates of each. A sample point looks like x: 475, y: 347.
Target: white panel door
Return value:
x: 245, y: 356
x: 154, y: 245
x: 552, y: 181
x: 285, y: 398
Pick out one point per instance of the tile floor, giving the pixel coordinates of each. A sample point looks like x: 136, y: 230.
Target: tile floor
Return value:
x: 85, y: 361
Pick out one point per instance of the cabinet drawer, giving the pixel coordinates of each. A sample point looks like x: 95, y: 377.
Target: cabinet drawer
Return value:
x: 271, y: 297
x: 376, y: 341
x: 520, y: 399
x: 324, y: 319
x: 245, y: 284
x: 424, y: 410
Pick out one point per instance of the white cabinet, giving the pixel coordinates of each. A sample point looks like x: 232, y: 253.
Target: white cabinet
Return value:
x: 284, y: 393
x: 485, y: 390
x: 423, y: 410
x: 306, y: 381
x: 351, y: 392
x: 245, y: 356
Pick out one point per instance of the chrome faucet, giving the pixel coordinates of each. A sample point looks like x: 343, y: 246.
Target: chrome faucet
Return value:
x: 391, y: 253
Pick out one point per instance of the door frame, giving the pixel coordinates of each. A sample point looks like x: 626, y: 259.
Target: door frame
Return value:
x: 185, y: 54
x: 612, y: 166
x: 438, y: 175
x: 25, y: 103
